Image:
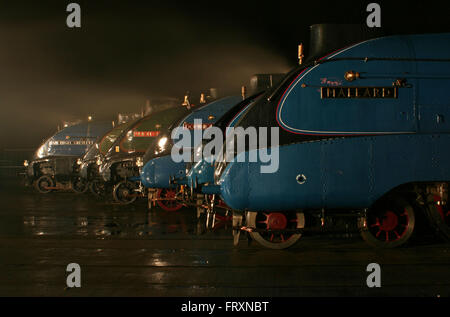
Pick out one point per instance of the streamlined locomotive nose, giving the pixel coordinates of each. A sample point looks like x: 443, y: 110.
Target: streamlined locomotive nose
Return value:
x: 148, y: 174
x: 235, y: 194
x: 159, y: 172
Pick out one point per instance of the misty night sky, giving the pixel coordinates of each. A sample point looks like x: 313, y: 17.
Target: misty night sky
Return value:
x: 129, y: 51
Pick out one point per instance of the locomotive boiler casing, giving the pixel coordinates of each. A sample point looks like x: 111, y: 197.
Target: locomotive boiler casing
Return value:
x: 201, y: 175
x: 160, y: 170
x: 355, y: 125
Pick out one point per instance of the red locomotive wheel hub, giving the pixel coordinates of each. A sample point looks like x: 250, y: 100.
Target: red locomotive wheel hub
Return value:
x: 389, y: 221
x: 166, y: 199
x: 170, y: 194
x: 276, y: 221
x: 390, y: 226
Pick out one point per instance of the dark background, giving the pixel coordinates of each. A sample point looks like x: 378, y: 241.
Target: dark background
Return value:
x: 129, y: 51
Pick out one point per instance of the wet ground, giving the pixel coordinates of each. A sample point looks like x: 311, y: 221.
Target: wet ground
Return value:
x: 128, y: 251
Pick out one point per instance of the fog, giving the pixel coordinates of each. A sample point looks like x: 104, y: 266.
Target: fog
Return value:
x: 50, y: 73
x: 128, y: 52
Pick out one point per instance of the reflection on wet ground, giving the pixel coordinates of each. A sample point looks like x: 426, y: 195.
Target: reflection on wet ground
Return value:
x: 76, y: 216
x: 128, y: 251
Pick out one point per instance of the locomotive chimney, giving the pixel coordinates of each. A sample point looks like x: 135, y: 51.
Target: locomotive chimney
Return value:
x: 213, y: 93
x: 325, y: 38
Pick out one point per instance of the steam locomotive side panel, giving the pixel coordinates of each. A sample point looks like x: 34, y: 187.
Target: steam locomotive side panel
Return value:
x: 340, y: 173
x: 432, y: 101
x: 368, y: 132
x: 320, y: 101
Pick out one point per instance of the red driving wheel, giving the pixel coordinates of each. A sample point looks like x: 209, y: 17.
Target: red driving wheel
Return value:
x: 166, y: 199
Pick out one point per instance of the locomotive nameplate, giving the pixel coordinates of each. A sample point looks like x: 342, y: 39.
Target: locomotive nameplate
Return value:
x: 201, y: 126
x: 340, y: 92
x: 146, y: 134
x: 74, y: 142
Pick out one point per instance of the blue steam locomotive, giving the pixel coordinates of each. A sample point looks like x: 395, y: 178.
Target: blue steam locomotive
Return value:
x: 54, y: 165
x: 363, y: 131
x: 166, y: 179
x: 160, y: 173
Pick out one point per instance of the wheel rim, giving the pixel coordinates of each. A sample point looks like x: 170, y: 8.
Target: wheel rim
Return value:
x: 44, y: 183
x: 79, y: 185
x: 96, y: 188
x: 275, y: 230
x: 168, y: 205
x: 123, y: 191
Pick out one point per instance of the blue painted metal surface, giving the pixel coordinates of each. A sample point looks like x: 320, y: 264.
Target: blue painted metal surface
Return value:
x: 300, y: 110
x: 373, y: 145
x: 209, y: 115
x: 339, y: 173
x: 73, y: 141
x: 201, y: 175
x: 157, y: 172
x: 216, y: 109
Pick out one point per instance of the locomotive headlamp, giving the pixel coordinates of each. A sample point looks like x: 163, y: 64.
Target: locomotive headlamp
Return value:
x: 25, y: 163
x: 139, y: 161
x: 162, y: 142
x: 162, y: 145
x: 41, y: 151
x: 351, y: 75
